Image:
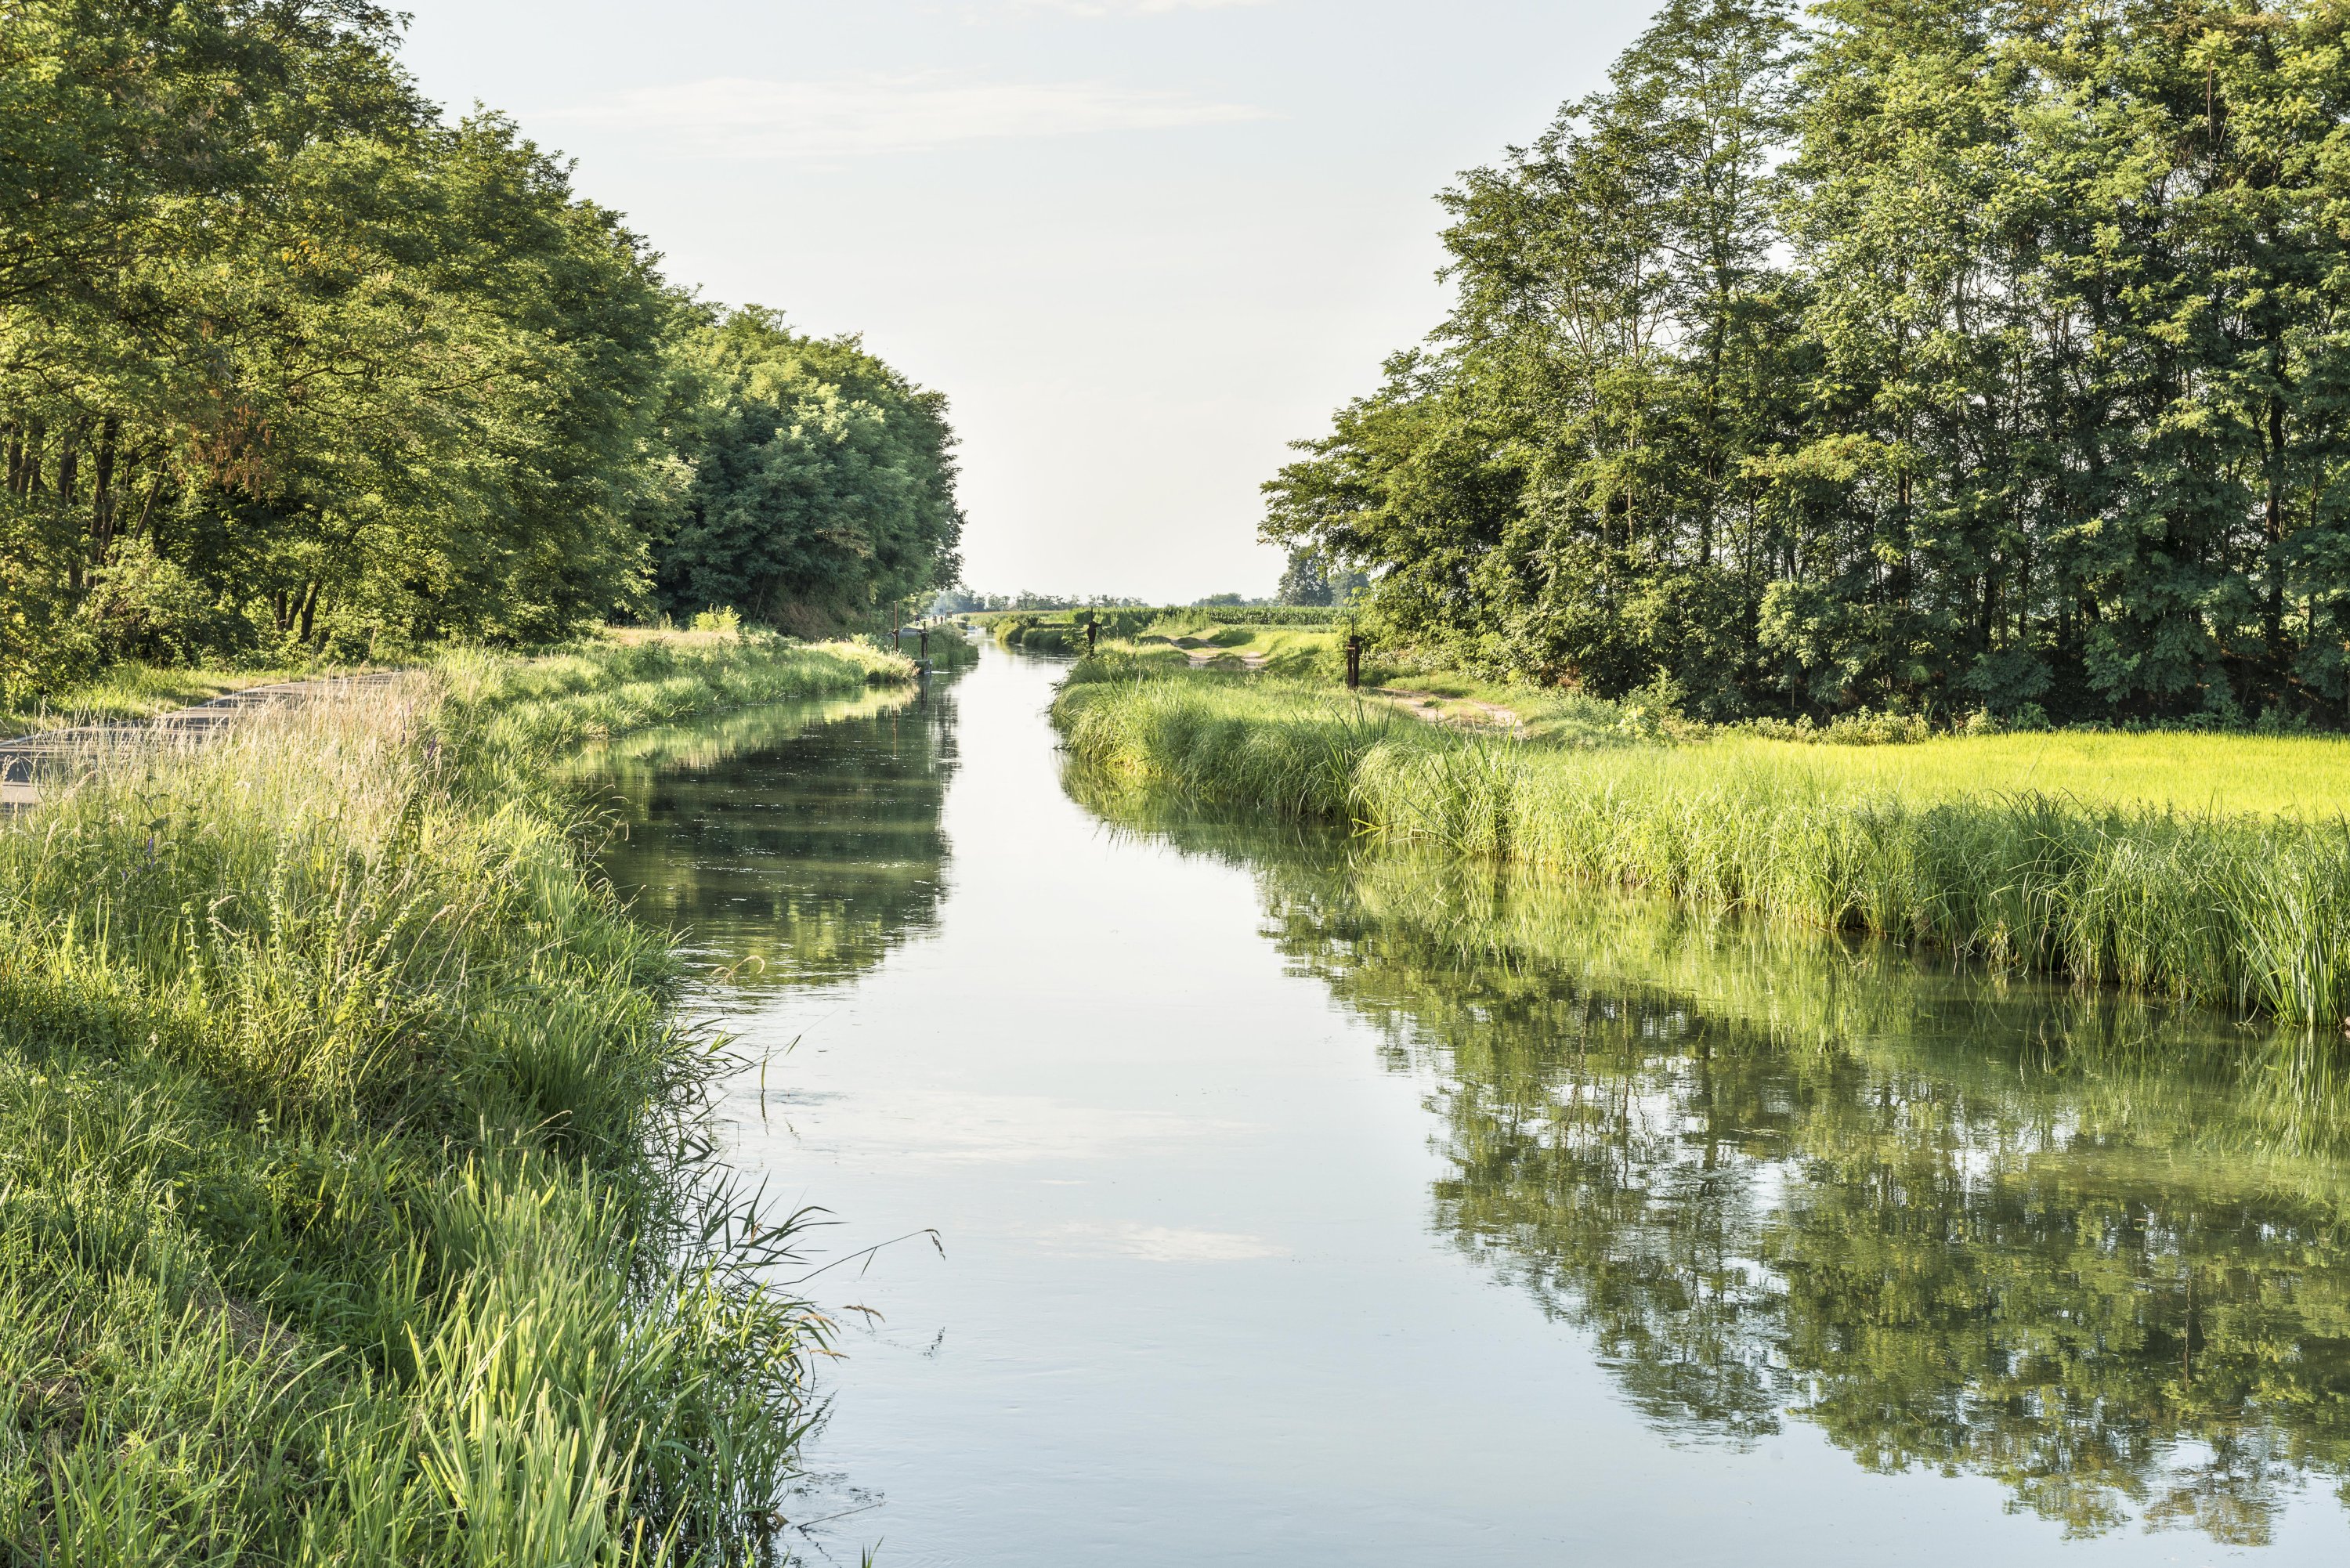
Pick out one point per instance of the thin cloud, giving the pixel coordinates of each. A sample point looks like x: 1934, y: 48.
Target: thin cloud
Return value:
x: 1094, y: 8
x: 742, y: 116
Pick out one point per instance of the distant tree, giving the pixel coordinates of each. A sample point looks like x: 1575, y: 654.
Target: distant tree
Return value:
x: 1304, y: 581
x: 1312, y: 579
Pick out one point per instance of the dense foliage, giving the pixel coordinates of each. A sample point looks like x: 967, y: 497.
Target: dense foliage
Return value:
x: 820, y: 476
x: 1904, y: 353
x: 289, y: 365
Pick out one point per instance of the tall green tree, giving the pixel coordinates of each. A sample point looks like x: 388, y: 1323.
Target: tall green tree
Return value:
x: 821, y: 477
x: 1556, y: 483
x: 1920, y: 353
x: 290, y: 364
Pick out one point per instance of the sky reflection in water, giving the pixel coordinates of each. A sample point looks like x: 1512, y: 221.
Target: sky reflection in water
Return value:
x: 1307, y: 1206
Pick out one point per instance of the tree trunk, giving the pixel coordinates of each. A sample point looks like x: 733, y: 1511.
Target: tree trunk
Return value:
x: 144, y: 527
x: 101, y: 509
x: 2272, y: 526
x: 37, y: 437
x: 309, y: 609
x: 69, y: 482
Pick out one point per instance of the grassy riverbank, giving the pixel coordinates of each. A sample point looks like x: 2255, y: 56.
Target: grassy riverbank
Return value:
x: 2193, y: 893
x: 130, y: 691
x: 352, y: 1207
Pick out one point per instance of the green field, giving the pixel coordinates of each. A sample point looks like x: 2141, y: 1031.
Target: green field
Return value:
x: 356, y: 1210
x: 1312, y: 657
x: 2301, y: 775
x: 1064, y: 631
x: 2190, y: 772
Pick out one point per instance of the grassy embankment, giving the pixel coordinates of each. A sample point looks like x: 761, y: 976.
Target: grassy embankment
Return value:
x: 1305, y: 647
x: 134, y: 692
x: 948, y: 648
x: 353, y: 1206
x: 2212, y: 868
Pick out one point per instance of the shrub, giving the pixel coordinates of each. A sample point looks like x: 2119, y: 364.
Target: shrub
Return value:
x: 1862, y: 728
x: 141, y: 606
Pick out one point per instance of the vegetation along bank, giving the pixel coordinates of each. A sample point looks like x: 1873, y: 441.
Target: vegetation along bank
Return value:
x: 2130, y: 859
x: 353, y: 1202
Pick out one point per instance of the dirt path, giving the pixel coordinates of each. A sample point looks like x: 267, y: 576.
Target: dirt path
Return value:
x: 25, y: 758
x: 1203, y: 653
x: 1461, y: 713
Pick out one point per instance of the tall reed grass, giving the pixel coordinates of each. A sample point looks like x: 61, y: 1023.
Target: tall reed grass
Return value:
x: 354, y: 1204
x: 2243, y: 912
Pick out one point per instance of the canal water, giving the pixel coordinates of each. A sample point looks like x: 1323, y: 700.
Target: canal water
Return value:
x: 1238, y: 1197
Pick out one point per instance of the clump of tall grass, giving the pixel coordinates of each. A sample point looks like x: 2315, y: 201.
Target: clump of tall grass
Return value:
x: 1287, y: 748
x: 2241, y: 912
x: 349, y: 1206
x: 1861, y: 729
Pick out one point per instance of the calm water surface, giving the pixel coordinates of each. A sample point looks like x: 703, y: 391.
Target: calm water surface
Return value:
x: 1302, y: 1207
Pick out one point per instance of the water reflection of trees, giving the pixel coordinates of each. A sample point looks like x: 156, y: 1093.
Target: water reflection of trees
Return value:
x: 796, y: 845
x: 2093, y: 1248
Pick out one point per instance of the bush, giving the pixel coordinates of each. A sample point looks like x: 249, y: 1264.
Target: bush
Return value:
x: 144, y: 607
x: 1858, y: 728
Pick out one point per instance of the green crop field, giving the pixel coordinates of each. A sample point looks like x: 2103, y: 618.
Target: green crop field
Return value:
x: 2306, y: 776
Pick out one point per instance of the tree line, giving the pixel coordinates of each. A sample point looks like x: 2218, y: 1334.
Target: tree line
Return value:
x: 290, y: 365
x: 1911, y: 354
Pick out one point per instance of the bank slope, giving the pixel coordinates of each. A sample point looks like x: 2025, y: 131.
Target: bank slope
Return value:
x: 350, y: 1205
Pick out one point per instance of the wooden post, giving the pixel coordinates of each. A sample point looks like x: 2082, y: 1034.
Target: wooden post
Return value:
x: 1093, y: 629
x: 1354, y: 661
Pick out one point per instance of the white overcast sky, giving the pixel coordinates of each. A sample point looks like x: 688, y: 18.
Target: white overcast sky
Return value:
x: 1141, y: 245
